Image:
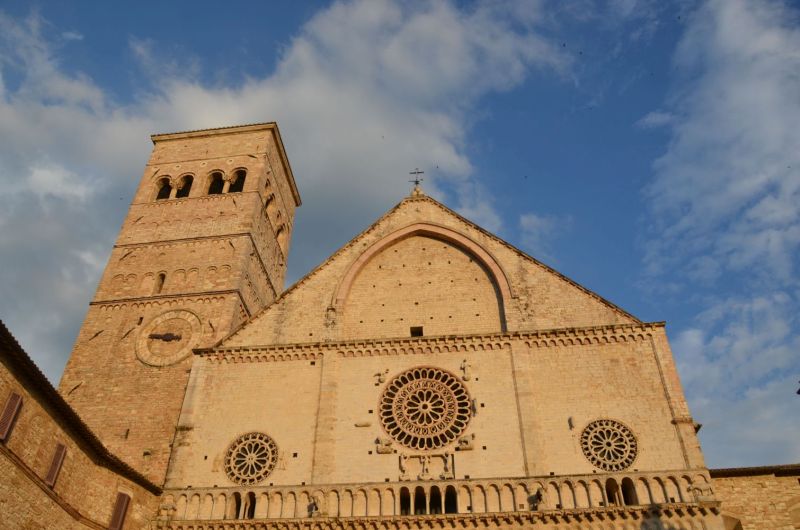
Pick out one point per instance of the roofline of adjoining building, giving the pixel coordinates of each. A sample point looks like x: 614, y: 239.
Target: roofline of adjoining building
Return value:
x: 237, y: 129
x: 36, y: 383
x: 783, y: 470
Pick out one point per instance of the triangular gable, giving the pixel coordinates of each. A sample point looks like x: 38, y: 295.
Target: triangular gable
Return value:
x: 530, y: 295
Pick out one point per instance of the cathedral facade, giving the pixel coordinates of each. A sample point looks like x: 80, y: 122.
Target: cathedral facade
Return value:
x: 426, y: 375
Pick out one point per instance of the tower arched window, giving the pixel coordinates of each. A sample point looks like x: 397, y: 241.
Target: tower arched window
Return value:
x: 159, y: 282
x: 164, y: 189
x: 269, y: 204
x: 216, y: 184
x: 184, y: 187
x: 237, y: 183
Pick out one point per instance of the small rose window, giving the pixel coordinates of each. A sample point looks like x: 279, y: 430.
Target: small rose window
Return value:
x: 609, y: 445
x: 251, y: 458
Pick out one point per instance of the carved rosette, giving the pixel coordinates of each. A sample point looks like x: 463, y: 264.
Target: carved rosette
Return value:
x: 425, y: 408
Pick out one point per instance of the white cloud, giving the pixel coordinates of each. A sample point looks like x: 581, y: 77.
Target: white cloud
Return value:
x: 538, y: 232
x: 71, y: 35
x: 739, y: 343
x: 729, y: 183
x: 57, y: 181
x: 366, y: 91
x: 724, y: 205
x: 655, y: 119
x: 740, y: 369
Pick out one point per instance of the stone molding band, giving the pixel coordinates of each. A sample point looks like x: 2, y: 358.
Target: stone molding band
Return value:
x: 621, y: 333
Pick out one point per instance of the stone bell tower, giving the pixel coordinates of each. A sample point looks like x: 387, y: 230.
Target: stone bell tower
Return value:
x: 202, y: 249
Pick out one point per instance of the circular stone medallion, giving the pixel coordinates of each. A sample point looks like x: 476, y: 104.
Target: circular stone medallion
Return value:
x: 168, y: 338
x: 609, y: 445
x: 425, y: 408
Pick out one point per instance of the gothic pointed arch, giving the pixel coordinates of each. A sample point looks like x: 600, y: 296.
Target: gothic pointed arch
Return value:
x: 447, y: 235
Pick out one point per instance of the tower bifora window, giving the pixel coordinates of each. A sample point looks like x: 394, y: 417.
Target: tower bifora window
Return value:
x: 237, y: 183
x: 164, y: 189
x: 425, y: 408
x: 251, y: 458
x: 609, y: 445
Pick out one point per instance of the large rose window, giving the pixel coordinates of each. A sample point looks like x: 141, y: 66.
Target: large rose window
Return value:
x: 425, y: 408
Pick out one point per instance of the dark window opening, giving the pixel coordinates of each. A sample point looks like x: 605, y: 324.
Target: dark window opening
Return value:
x: 450, y: 500
x: 629, y: 493
x: 419, y: 501
x: 612, y: 492
x: 436, y: 500
x: 184, y: 187
x: 405, y: 502
x: 159, y: 282
x: 250, y: 506
x: 236, y: 506
x: 237, y: 184
x: 216, y: 184
x: 164, y: 189
x: 416, y: 331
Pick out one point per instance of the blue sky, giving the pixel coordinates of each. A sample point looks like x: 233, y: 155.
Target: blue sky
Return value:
x: 649, y: 150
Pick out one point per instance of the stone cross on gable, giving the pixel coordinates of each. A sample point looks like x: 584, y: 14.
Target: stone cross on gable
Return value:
x: 416, y: 180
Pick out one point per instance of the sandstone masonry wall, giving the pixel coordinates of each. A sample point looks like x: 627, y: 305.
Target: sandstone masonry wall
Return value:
x: 759, y: 500
x: 533, y: 395
x: 422, y: 282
